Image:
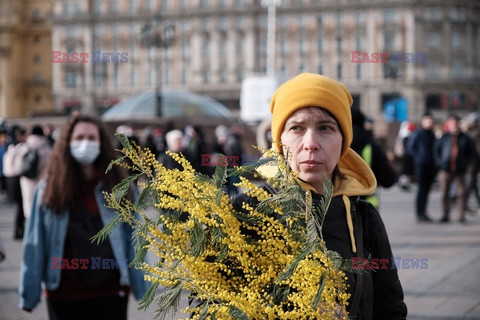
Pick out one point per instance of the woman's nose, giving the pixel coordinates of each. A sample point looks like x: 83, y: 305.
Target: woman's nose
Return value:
x: 310, y: 140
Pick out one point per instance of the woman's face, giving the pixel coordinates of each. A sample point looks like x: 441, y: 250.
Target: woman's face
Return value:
x: 85, y: 131
x: 313, y: 141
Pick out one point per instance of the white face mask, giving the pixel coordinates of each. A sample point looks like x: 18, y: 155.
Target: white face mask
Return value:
x: 84, y: 151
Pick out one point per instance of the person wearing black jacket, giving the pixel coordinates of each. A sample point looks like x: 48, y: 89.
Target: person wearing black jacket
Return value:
x: 420, y: 146
x: 311, y: 127
x: 453, y: 153
x: 365, y: 145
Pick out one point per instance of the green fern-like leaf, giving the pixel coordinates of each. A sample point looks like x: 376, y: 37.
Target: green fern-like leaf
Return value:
x: 121, y: 189
x: 124, y: 140
x: 148, y: 297
x: 168, y: 301
x: 198, y: 240
x: 237, y: 313
x: 106, y: 230
x: 319, y: 292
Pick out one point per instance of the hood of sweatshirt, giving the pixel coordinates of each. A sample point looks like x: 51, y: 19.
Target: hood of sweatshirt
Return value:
x: 358, y: 180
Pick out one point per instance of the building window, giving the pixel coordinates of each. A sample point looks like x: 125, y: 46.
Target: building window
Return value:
x: 339, y: 18
x: 223, y: 75
x: 132, y: 5
x: 133, y: 76
x: 204, y: 3
x: 239, y: 45
x: 457, y: 68
x: 358, y: 70
x: 149, y: 5
x: 37, y: 58
x: 358, y: 42
x: 223, y: 46
x: 283, y: 21
x: 432, y: 69
x: 283, y: 45
x: 339, y: 71
x: 433, y: 40
x: 71, y: 79
x: 239, y: 73
x: 301, y: 21
x: 37, y: 98
x: 456, y: 14
x: 432, y: 14
x: 456, y: 40
x: 206, y: 47
x: 264, y: 22
x: 114, y: 6
x: 36, y: 39
x: 116, y: 75
x: 150, y: 76
x: 37, y: 78
x: 389, y: 16
x: 320, y: 69
x: 388, y: 40
x: 302, y: 44
x: 184, y: 75
x: 184, y: 48
x: 165, y: 5
x: 358, y: 17
x: 339, y: 44
x: 97, y: 6
x: 319, y: 44
x: 206, y: 75
x: 319, y: 19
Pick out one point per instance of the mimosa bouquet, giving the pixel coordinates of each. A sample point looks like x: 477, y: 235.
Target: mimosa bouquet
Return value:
x: 264, y: 259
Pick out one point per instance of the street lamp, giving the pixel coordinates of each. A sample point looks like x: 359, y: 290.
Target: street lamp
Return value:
x: 158, y: 35
x: 272, y: 7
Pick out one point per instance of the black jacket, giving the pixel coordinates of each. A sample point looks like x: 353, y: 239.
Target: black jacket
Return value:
x: 443, y: 151
x: 382, y: 293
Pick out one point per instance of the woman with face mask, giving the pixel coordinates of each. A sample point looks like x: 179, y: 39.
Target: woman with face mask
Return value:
x: 82, y: 280
x: 312, y: 129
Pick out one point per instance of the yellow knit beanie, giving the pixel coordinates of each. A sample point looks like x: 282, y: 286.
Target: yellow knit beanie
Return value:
x: 312, y: 90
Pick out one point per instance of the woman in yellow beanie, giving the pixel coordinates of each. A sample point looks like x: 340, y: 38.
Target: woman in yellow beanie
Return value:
x: 312, y: 128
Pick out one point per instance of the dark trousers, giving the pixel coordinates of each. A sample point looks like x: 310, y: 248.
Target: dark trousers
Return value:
x: 425, y: 177
x: 446, y: 179
x: 15, y: 195
x: 107, y: 308
x: 473, y: 186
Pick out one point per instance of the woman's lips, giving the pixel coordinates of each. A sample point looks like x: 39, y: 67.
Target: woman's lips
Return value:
x: 309, y: 164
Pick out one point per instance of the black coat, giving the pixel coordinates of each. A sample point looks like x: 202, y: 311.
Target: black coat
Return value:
x: 382, y: 293
x: 443, y: 151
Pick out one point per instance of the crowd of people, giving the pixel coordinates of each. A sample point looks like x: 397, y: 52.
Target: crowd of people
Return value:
x: 60, y: 206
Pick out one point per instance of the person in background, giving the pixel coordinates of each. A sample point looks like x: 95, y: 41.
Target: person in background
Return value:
x: 155, y: 140
x: 82, y: 280
x: 3, y: 150
x: 473, y: 130
x: 365, y: 145
x: 407, y: 171
x: 453, y: 152
x: 49, y: 133
x: 421, y: 147
x: 195, y: 145
x: 11, y: 170
x: 38, y: 142
x: 174, y: 140
x: 228, y: 143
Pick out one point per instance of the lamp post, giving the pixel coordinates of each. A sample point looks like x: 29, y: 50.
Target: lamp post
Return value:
x: 272, y: 13
x: 157, y: 35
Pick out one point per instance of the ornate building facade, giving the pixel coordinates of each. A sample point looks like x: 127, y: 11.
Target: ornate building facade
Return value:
x: 433, y: 51
x: 25, y: 69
